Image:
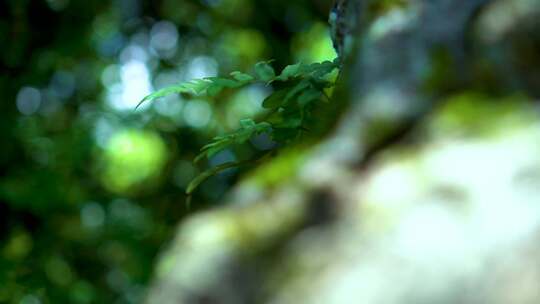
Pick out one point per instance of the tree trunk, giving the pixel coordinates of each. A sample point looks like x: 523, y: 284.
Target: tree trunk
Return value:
x: 426, y: 192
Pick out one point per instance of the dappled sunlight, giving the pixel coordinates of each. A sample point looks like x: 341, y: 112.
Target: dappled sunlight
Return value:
x: 28, y: 100
x: 134, y: 85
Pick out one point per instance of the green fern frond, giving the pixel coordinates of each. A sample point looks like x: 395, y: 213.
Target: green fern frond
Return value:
x: 301, y: 86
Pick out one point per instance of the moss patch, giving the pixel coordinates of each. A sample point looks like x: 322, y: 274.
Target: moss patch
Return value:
x: 475, y: 114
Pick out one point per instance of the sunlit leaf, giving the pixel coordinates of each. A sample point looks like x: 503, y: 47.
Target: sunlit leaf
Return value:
x: 162, y: 93
x: 290, y: 71
x: 242, y: 77
x: 197, y: 86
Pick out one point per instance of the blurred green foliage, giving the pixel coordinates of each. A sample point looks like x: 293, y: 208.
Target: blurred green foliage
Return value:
x: 91, y: 188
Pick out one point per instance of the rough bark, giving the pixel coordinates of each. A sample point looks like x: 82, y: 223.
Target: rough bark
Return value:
x: 427, y: 191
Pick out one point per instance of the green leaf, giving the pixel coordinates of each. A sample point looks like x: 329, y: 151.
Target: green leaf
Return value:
x: 302, y: 85
x: 262, y: 127
x: 247, y: 123
x: 286, y: 118
x: 265, y: 71
x: 275, y: 99
x: 217, y: 84
x: 285, y: 135
x: 216, y: 149
x: 213, y: 148
x: 322, y: 84
x: 225, y: 82
x: 320, y: 69
x: 291, y: 122
x: 242, y: 77
x: 214, y: 90
x: 209, y: 173
x: 217, y: 141
x: 243, y: 136
x: 316, y: 70
x: 162, y: 93
x: 290, y: 71
x: 197, y: 86
x: 308, y: 96
x: 248, y: 128
x: 199, y: 157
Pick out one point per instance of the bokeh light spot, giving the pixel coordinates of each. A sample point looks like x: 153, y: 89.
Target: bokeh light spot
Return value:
x: 164, y: 38
x: 30, y: 299
x: 28, y: 100
x: 200, y: 67
x: 92, y: 215
x: 132, y: 157
x: 197, y: 113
